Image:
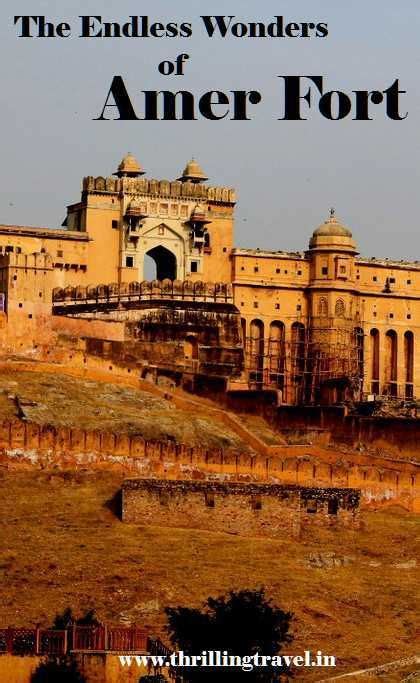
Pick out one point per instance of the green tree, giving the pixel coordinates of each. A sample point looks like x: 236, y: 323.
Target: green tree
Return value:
x: 241, y: 623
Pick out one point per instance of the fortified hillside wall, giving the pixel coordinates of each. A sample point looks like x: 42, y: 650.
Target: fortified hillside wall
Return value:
x: 249, y: 509
x: 45, y: 446
x: 172, y: 327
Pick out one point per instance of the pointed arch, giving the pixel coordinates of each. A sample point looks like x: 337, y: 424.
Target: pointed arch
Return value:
x: 409, y: 364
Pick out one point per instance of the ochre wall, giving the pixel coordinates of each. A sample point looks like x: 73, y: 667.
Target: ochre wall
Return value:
x: 23, y: 443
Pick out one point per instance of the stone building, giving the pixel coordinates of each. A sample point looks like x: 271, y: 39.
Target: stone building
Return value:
x: 318, y: 326
x: 271, y: 510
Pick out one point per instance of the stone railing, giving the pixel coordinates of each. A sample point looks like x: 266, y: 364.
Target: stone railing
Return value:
x: 218, y: 292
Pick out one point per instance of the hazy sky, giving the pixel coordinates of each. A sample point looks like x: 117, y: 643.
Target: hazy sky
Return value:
x: 287, y: 174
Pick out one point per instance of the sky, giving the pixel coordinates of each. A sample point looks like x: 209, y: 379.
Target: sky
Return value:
x: 287, y: 173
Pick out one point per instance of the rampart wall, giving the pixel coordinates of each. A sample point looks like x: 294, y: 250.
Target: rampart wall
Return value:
x: 381, y: 483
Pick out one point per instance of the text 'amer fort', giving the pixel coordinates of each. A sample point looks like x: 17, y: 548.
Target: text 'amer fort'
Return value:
x: 317, y: 327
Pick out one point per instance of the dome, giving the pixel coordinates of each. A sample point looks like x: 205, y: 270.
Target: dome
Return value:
x: 332, y: 228
x: 129, y: 167
x: 332, y: 231
x: 193, y: 172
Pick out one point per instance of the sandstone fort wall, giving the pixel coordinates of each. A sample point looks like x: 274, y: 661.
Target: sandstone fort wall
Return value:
x: 381, y: 483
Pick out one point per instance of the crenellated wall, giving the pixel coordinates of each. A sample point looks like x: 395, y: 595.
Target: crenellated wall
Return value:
x: 25, y: 443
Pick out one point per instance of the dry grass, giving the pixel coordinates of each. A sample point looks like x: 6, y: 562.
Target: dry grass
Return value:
x: 62, y: 545
x: 60, y: 400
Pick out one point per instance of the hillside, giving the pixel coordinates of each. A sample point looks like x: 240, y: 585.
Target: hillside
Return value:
x: 63, y: 545
x: 61, y: 400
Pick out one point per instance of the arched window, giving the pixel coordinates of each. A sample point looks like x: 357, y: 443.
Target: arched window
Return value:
x: 298, y: 347
x: 391, y: 362
x: 374, y: 355
x: 257, y: 344
x: 359, y: 340
x: 409, y: 363
x: 340, y: 309
x: 276, y: 351
x: 323, y: 307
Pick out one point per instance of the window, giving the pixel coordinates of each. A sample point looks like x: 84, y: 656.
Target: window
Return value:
x: 325, y: 270
x: 256, y: 503
x: 60, y: 253
x: 299, y: 272
x: 408, y: 316
x: 194, y: 266
x: 311, y: 506
x: 375, y: 279
x: 391, y: 315
x: 278, y: 271
x: 342, y: 269
x: 333, y: 506
x: 115, y: 226
x: 255, y: 304
x: 277, y: 307
x: 242, y: 267
x: 323, y: 306
x: 374, y: 314
x: 210, y: 503
x: 409, y: 282
x: 129, y: 261
x: 392, y: 280
x: 285, y: 272
x: 340, y: 308
x: 242, y: 303
x: 225, y: 249
x: 357, y: 277
x: 256, y: 269
x: 298, y: 307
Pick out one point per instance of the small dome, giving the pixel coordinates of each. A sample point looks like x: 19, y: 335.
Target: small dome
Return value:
x: 332, y: 228
x: 199, y: 214
x: 193, y: 172
x: 129, y: 167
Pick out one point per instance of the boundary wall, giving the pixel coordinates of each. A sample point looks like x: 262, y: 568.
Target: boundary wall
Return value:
x: 381, y: 483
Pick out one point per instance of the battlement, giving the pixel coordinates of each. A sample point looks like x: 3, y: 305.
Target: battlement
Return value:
x: 387, y: 263
x: 167, y: 189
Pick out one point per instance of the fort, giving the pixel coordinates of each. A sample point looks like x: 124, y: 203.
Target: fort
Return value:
x: 320, y: 327
x: 320, y: 343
